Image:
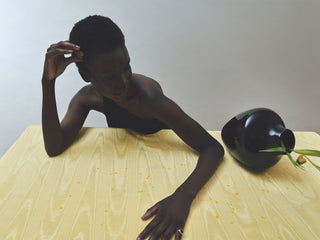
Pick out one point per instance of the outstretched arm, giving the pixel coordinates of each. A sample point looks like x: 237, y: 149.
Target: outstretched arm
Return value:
x: 172, y: 212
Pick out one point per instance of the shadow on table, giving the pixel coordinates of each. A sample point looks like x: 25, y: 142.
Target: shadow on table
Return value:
x: 167, y: 140
x: 277, y: 171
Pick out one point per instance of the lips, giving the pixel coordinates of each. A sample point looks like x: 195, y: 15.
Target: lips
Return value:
x: 121, y: 92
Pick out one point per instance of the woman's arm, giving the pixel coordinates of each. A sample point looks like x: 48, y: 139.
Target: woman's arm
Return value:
x: 210, y: 150
x: 58, y: 137
x: 171, y: 213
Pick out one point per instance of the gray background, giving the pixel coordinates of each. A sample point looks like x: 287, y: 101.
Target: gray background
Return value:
x: 214, y: 58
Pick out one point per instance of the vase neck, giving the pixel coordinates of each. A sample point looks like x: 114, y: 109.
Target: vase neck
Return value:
x: 285, y: 135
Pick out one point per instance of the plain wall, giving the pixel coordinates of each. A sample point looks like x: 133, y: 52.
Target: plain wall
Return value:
x: 214, y: 58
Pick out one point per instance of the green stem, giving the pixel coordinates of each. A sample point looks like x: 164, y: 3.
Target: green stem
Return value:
x: 316, y: 166
x: 294, y: 162
x: 309, y: 152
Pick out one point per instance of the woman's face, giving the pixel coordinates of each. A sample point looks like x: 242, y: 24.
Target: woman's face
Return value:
x: 110, y: 73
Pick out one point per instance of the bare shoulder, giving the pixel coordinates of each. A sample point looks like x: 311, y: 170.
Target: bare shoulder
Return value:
x: 90, y: 98
x: 149, y: 89
x: 158, y: 106
x: 152, y: 102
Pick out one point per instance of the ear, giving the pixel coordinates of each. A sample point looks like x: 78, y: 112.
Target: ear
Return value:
x: 84, y: 74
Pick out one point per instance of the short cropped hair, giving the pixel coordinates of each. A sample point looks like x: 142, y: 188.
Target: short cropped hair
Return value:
x: 96, y: 34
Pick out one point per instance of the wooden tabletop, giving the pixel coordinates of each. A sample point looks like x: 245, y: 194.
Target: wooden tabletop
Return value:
x: 101, y: 186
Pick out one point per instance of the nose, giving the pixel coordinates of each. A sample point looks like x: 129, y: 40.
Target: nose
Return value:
x: 123, y: 81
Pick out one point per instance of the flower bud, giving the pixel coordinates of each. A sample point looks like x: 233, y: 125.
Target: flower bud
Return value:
x: 301, y: 160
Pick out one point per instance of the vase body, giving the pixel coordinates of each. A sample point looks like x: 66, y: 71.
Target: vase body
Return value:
x: 254, y: 130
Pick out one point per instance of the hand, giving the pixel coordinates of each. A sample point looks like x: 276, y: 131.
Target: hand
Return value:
x: 171, y: 215
x: 56, y: 63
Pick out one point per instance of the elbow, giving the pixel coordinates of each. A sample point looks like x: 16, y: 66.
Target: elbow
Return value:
x: 216, y: 150
x: 219, y: 151
x: 54, y: 144
x: 53, y: 152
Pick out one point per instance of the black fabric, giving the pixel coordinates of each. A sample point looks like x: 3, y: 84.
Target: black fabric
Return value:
x: 118, y: 117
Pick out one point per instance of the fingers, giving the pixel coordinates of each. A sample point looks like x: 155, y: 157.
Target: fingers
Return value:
x: 159, y: 231
x: 55, y: 60
x: 64, y: 45
x: 150, y: 212
x: 178, y: 234
x: 168, y: 233
x: 159, y: 227
x: 62, y: 48
x: 73, y: 58
x: 59, y: 51
x: 149, y: 228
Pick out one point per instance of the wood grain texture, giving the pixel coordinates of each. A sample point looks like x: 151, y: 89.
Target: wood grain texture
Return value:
x: 101, y: 186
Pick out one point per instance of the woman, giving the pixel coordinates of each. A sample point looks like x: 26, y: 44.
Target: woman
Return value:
x: 128, y: 100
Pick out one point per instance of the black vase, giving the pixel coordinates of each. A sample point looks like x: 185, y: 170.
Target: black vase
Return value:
x: 254, y: 130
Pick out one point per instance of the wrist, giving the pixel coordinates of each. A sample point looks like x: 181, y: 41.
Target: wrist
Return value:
x: 185, y: 194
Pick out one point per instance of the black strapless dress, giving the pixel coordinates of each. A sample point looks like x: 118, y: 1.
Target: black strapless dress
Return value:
x: 118, y: 117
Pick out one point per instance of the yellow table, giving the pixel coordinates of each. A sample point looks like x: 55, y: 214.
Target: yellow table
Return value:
x: 101, y: 186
